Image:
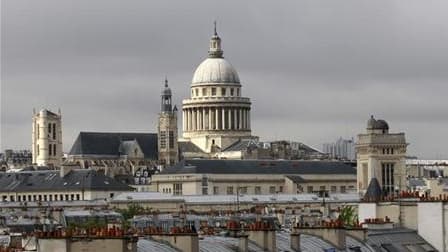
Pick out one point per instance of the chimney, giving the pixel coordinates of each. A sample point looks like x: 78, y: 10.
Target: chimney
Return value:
x: 66, y: 168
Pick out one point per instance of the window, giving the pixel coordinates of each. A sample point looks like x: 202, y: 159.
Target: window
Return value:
x: 111, y: 195
x: 223, y: 91
x: 45, y: 198
x: 11, y: 198
x: 40, y: 197
x: 204, y: 191
x: 162, y: 139
x: 243, y: 190
x: 257, y: 190
x: 237, y: 92
x: 231, y: 92
x: 49, y: 149
x: 54, y: 130
x: 51, y: 197
x: 19, y: 198
x: 322, y: 188
x: 309, y: 189
x: 215, y: 190
x: 213, y: 91
x: 38, y: 150
x: 343, y: 189
x: 230, y: 190
x: 38, y: 131
x: 79, y: 198
x: 171, y: 139
x: 54, y: 149
x: 177, y: 189
x: 197, y: 92
x: 55, y: 197
x: 280, y: 189
x: 204, y: 92
x: 333, y: 189
x: 387, y: 178
x: 272, y: 189
x: 49, y: 128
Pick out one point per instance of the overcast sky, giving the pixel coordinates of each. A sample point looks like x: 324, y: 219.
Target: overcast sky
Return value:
x: 315, y: 70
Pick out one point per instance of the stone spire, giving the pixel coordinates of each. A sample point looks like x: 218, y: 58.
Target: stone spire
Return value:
x: 215, y: 50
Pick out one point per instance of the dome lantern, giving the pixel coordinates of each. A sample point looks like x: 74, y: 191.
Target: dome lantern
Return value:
x: 215, y: 50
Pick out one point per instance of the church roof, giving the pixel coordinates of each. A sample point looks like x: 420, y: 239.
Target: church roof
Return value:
x: 108, y: 144
x: 51, y: 180
x: 220, y: 166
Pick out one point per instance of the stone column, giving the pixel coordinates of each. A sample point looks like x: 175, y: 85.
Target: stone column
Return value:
x: 230, y: 118
x: 240, y: 125
x: 193, y: 119
x: 235, y: 118
x: 210, y: 119
x: 204, y: 119
x: 244, y: 119
x: 216, y: 119
x: 189, y: 119
x: 223, y: 119
x: 248, y: 119
x: 198, y: 119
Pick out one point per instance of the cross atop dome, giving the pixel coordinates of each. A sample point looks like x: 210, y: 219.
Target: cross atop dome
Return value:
x: 215, y: 50
x: 216, y: 34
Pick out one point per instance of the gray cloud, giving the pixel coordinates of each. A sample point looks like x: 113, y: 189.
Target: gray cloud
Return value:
x: 315, y: 70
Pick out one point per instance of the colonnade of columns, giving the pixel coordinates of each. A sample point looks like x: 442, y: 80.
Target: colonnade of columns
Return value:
x: 215, y: 118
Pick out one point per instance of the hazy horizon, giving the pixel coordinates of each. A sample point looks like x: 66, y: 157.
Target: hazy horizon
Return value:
x: 314, y: 70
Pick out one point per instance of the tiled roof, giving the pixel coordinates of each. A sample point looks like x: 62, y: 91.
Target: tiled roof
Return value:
x: 220, y: 166
x: 108, y: 144
x: 52, y: 181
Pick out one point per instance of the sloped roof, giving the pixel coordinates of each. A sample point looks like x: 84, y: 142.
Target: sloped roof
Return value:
x: 241, y: 145
x: 52, y: 181
x: 397, y: 239
x: 106, y: 143
x: 188, y: 147
x: 296, y: 179
x: 373, y: 192
x: 220, y: 166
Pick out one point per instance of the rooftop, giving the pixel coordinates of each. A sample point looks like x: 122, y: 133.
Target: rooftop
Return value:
x: 220, y: 166
x: 51, y: 180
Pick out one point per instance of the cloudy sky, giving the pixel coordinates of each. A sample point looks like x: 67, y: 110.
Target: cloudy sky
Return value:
x: 315, y: 70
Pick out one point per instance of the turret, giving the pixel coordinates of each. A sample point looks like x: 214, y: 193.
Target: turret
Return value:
x: 167, y: 129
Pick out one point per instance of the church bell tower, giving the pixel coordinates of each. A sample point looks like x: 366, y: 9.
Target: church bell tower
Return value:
x: 167, y: 129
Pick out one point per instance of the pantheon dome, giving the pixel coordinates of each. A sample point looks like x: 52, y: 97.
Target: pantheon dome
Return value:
x: 216, y: 115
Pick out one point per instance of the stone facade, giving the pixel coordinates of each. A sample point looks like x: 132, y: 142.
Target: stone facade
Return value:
x: 168, y: 149
x: 47, y: 138
x: 381, y: 155
x: 228, y: 184
x: 216, y: 115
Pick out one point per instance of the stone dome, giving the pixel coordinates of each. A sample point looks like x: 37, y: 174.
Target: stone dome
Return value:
x: 215, y: 71
x: 372, y: 123
x: 381, y: 124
